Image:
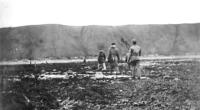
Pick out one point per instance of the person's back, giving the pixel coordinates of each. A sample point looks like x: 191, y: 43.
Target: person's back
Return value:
x: 133, y: 61
x: 113, y: 55
x: 101, y: 57
x: 101, y: 60
x: 113, y: 58
x: 135, y: 51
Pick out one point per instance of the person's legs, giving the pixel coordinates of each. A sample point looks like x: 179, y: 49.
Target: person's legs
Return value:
x: 133, y: 69
x: 116, y: 67
x: 111, y: 67
x: 138, y: 69
x: 99, y: 66
x: 127, y: 68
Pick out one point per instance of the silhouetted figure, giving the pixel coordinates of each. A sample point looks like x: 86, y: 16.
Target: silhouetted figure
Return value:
x: 133, y: 60
x: 101, y: 60
x: 113, y: 58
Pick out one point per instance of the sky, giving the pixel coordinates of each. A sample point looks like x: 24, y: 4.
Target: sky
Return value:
x: 97, y: 12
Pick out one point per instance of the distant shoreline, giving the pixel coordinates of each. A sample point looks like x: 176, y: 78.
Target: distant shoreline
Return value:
x: 50, y: 61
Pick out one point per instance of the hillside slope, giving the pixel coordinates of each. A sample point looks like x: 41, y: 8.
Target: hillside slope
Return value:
x: 51, y: 40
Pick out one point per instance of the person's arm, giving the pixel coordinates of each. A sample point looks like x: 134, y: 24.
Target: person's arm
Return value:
x: 129, y: 56
x: 98, y: 58
x: 104, y: 56
x: 126, y: 58
x: 108, y: 58
x: 117, y: 53
x: 129, y: 50
x: 140, y: 52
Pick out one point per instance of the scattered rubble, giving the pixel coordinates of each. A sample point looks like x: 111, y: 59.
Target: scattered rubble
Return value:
x: 163, y: 85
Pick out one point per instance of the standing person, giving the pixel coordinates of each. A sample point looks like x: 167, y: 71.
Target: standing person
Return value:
x: 101, y: 60
x: 113, y: 58
x: 134, y: 52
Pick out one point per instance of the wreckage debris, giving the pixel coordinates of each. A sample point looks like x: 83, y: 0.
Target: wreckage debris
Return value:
x: 163, y: 85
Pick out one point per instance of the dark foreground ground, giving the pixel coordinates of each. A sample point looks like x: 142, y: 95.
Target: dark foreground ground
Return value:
x: 167, y: 85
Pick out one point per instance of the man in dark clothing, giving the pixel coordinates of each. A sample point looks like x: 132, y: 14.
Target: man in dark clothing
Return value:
x: 133, y: 61
x: 101, y: 60
x: 113, y: 58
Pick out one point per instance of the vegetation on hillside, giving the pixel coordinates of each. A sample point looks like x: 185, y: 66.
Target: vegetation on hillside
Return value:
x: 57, y: 41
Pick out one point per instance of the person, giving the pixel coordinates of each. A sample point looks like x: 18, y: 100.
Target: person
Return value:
x: 113, y: 58
x: 133, y: 61
x: 101, y: 60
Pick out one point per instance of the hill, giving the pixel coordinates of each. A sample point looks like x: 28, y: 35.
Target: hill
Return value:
x: 57, y: 41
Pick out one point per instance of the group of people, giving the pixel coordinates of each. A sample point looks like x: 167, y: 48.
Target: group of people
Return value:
x: 132, y: 59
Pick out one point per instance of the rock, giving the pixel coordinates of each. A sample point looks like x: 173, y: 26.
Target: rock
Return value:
x: 70, y: 72
x: 176, y: 79
x: 43, y: 71
x: 144, y: 78
x: 54, y: 70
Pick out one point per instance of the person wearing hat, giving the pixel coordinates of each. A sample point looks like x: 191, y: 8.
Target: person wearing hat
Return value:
x: 101, y: 60
x: 133, y: 61
x: 113, y: 58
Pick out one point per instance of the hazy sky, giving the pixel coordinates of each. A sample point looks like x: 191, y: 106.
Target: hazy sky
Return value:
x: 98, y: 12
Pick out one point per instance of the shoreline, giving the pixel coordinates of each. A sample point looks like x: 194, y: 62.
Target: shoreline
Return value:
x: 50, y: 61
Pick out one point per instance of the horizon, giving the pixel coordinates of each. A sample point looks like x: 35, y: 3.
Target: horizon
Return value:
x: 101, y: 25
